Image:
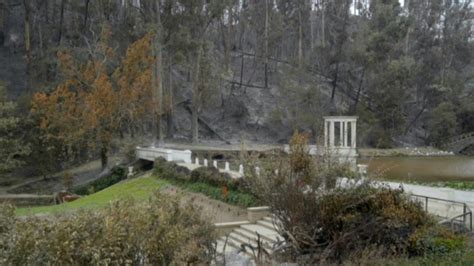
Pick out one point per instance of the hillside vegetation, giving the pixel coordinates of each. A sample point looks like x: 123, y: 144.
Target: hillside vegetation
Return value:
x: 95, y: 73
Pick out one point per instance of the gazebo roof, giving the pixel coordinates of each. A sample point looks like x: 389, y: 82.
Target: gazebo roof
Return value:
x: 340, y: 118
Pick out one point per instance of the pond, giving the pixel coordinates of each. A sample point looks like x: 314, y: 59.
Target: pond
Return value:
x: 422, y: 169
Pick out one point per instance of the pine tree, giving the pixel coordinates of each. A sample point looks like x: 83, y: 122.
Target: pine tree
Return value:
x: 12, y: 149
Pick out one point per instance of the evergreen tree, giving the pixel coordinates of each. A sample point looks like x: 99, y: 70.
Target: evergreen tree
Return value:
x: 12, y: 149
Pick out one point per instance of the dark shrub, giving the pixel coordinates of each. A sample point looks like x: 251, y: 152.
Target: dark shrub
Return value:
x: 170, y: 170
x: 238, y: 184
x: 116, y: 175
x: 208, y: 181
x: 208, y: 175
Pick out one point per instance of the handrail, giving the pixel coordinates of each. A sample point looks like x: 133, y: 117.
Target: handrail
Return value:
x: 460, y: 138
x: 466, y: 210
x: 440, y: 199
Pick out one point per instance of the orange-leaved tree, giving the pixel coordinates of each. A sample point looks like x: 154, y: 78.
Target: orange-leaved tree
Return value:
x: 133, y: 79
x: 95, y: 101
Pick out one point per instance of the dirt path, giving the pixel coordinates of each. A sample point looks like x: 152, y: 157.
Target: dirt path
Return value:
x: 213, y: 210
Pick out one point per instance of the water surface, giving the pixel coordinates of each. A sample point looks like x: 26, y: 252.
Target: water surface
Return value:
x: 422, y: 169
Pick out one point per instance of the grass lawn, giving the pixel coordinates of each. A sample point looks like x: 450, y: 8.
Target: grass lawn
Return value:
x: 139, y: 188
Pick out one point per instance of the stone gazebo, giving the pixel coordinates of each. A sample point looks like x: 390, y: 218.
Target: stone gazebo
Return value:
x: 340, y: 135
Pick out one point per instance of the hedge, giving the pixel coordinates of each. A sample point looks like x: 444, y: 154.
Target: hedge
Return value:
x: 208, y: 181
x: 116, y: 175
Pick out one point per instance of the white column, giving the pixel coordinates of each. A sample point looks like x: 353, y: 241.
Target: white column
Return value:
x: 214, y: 163
x: 227, y: 167
x: 353, y: 135
x: 205, y: 163
x: 345, y: 134
x: 325, y: 133
x: 196, y: 161
x: 331, y: 133
x: 341, y: 132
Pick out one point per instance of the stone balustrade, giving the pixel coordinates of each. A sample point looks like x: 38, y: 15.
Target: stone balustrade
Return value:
x: 239, y: 173
x: 170, y: 155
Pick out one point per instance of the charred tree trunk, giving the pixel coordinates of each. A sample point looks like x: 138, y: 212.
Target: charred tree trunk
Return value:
x: 61, y: 22
x: 3, y: 11
x: 157, y: 81
x: 170, y: 111
x: 357, y: 99
x: 266, y: 43
x: 86, y: 14
x: 104, y: 156
x: 300, y: 34
x: 338, y: 55
x: 27, y: 22
x: 195, y: 106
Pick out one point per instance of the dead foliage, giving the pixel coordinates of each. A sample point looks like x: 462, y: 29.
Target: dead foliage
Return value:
x: 157, y: 232
x: 322, y: 223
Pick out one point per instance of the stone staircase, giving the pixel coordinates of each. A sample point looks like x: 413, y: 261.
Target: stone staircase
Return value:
x: 248, y: 234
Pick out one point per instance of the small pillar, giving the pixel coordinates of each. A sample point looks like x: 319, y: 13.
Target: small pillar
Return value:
x: 331, y: 133
x: 241, y: 170
x: 326, y: 134
x: 196, y: 161
x: 257, y: 170
x: 214, y: 163
x: 362, y: 170
x: 130, y: 171
x: 205, y: 163
x: 353, y: 134
x: 346, y: 124
x: 341, y: 134
x: 227, y: 167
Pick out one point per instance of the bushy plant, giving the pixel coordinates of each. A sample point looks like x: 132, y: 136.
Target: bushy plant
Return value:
x: 157, y: 232
x: 208, y: 175
x: 208, y: 181
x: 170, y: 170
x: 327, y: 224
x: 116, y: 175
x: 442, y: 241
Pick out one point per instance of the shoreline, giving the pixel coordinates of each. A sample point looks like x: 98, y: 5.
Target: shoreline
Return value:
x: 404, y: 152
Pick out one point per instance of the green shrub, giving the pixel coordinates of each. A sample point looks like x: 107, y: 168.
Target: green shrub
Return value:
x: 442, y: 241
x: 232, y: 197
x: 157, y: 232
x: 116, y: 175
x: 170, y: 170
x: 208, y: 175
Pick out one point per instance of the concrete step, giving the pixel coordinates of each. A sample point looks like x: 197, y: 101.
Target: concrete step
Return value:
x: 268, y: 219
x: 264, y: 232
x: 252, y: 236
x: 267, y: 224
x: 232, y: 255
x: 228, y: 248
x: 243, y: 237
x: 232, y: 244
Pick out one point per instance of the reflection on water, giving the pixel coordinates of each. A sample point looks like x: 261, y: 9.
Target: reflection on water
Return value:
x: 442, y: 168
